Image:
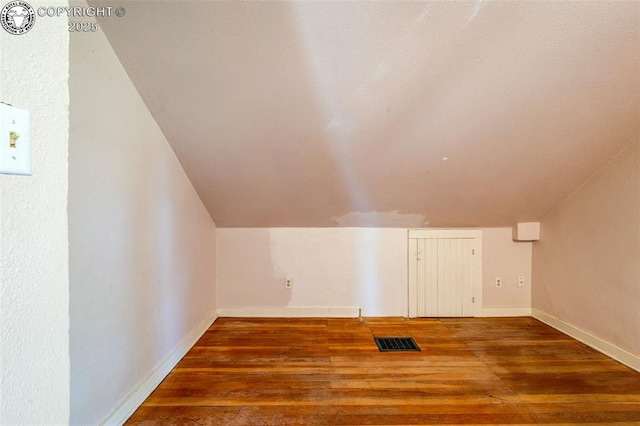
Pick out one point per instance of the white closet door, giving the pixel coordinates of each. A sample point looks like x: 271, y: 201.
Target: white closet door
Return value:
x: 441, y: 276
x: 427, y: 267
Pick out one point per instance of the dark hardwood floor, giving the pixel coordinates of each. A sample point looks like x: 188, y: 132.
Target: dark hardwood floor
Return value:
x: 330, y: 372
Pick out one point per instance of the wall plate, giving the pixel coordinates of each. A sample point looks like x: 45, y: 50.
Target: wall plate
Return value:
x: 15, y: 140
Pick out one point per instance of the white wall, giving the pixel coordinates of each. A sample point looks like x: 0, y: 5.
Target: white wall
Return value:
x: 142, y: 246
x: 331, y: 267
x: 345, y: 267
x: 34, y: 273
x: 504, y: 258
x: 586, y: 268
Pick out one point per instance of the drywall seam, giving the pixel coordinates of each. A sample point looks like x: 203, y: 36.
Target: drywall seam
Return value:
x: 157, y: 375
x: 523, y: 311
x: 627, y: 358
x: 289, y: 312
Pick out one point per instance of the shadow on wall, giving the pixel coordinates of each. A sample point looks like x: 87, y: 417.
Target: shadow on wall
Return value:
x: 140, y: 242
x: 343, y: 267
x: 319, y: 261
x: 247, y: 268
x: 330, y: 268
x: 368, y: 279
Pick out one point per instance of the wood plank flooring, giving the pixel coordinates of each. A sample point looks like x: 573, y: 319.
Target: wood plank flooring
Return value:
x: 330, y: 372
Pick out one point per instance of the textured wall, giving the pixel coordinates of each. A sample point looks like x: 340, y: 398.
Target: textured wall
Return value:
x: 586, y: 267
x: 34, y: 274
x: 141, y: 244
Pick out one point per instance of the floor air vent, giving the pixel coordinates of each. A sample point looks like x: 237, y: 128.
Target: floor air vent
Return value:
x: 396, y: 344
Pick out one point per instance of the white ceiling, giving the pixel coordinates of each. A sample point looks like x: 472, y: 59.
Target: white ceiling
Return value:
x: 340, y: 113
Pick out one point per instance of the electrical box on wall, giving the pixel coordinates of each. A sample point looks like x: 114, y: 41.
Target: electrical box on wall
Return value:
x: 15, y: 140
x: 526, y: 231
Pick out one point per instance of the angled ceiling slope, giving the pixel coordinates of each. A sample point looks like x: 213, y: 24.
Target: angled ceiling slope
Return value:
x: 385, y: 113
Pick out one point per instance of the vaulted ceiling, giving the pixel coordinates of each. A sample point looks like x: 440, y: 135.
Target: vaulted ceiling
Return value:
x: 385, y: 113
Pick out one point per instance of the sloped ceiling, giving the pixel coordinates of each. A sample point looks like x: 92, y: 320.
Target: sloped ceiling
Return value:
x: 385, y: 113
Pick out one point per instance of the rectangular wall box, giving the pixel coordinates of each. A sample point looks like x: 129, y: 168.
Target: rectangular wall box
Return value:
x: 526, y: 231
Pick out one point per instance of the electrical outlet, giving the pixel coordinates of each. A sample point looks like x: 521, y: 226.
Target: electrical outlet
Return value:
x: 288, y: 282
x: 521, y: 281
x: 498, y: 282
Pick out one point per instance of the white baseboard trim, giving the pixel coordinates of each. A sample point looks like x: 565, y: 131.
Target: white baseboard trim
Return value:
x: 627, y: 358
x: 504, y: 312
x: 289, y: 312
x: 131, y: 403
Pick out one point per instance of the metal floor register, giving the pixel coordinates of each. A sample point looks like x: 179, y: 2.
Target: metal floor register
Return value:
x: 396, y: 344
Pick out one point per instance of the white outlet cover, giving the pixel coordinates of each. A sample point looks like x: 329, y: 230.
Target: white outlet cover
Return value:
x: 15, y: 161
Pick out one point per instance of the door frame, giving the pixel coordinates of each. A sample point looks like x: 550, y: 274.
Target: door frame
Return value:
x: 476, y: 264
